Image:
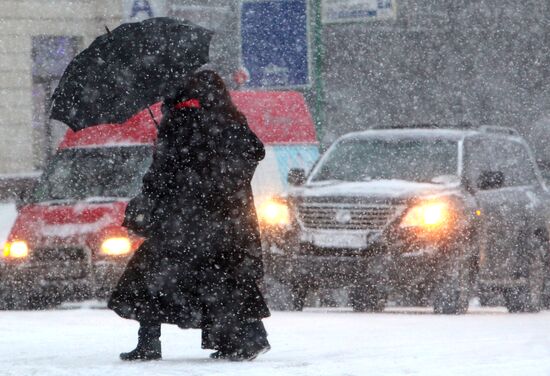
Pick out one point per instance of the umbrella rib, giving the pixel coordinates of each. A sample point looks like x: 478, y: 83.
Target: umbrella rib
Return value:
x: 152, y: 116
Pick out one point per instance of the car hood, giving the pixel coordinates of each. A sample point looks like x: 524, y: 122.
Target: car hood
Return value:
x: 376, y: 189
x: 41, y: 224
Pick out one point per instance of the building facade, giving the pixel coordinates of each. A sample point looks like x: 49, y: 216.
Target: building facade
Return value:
x: 39, y: 38
x: 426, y: 61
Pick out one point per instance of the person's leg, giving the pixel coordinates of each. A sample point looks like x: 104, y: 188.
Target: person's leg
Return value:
x: 216, y: 336
x: 232, y: 317
x: 236, y: 340
x: 249, y: 337
x: 148, y: 347
x: 250, y: 341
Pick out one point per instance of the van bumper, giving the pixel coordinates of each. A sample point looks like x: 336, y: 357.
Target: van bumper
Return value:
x: 62, y: 282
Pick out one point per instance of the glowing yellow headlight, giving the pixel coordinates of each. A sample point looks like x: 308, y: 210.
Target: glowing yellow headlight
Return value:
x: 274, y: 212
x: 427, y: 215
x: 17, y: 249
x: 116, y: 246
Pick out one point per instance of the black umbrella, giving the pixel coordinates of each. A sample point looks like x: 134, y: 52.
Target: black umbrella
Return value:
x: 127, y: 69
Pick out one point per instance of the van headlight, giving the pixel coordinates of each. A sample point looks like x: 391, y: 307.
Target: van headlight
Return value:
x: 119, y: 246
x: 18, y: 249
x: 431, y: 215
x: 274, y: 212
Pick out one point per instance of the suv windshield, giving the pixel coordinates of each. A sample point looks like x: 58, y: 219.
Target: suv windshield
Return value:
x: 418, y: 160
x: 94, y: 174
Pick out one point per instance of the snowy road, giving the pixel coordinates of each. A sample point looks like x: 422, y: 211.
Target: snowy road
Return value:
x: 86, y: 341
x: 316, y: 342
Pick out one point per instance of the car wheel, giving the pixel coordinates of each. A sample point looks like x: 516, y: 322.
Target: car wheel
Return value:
x: 545, y: 299
x: 298, y: 296
x: 282, y: 295
x: 25, y: 302
x: 528, y: 296
x: 367, y: 299
x: 452, y: 292
x: 6, y: 300
x: 19, y: 302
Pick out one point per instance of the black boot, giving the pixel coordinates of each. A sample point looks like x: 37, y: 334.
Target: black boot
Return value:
x: 148, y: 347
x: 220, y: 354
x: 252, y: 341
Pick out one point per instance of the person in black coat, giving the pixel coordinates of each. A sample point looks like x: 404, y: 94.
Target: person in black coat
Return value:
x: 201, y: 262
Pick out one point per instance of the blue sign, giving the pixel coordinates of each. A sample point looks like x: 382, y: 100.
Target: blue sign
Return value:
x: 139, y: 10
x: 141, y: 6
x: 274, y: 37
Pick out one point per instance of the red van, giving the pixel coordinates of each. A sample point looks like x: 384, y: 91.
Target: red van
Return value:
x: 67, y: 242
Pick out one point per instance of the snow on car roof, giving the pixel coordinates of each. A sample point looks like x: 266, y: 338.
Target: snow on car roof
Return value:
x: 449, y: 134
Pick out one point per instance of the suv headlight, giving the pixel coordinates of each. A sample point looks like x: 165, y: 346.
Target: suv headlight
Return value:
x: 119, y: 246
x: 16, y: 250
x: 274, y: 212
x: 432, y: 215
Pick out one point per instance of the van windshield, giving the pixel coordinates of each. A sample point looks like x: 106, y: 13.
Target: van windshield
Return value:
x: 417, y: 160
x: 94, y: 174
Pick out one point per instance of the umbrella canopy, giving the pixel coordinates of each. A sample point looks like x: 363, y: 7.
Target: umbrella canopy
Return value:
x: 124, y: 71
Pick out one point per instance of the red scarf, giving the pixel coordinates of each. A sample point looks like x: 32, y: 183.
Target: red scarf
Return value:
x: 190, y: 103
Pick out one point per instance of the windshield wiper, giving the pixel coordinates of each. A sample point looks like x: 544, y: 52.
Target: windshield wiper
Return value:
x: 329, y: 181
x: 56, y: 201
x: 74, y: 200
x: 103, y: 199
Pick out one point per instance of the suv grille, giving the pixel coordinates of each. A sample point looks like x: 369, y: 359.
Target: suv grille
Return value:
x: 59, y: 255
x: 346, y: 217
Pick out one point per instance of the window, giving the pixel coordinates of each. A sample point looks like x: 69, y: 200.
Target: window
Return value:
x: 498, y: 154
x: 50, y: 55
x: 418, y: 160
x: 94, y: 173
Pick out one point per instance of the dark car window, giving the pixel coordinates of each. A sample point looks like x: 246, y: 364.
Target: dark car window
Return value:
x: 519, y: 167
x: 417, y: 160
x: 503, y: 155
x: 88, y: 173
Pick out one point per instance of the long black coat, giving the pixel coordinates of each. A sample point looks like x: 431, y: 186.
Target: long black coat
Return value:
x: 203, y: 260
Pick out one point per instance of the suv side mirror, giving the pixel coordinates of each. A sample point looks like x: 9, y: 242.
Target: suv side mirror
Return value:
x: 296, y: 176
x: 490, y: 180
x: 21, y: 198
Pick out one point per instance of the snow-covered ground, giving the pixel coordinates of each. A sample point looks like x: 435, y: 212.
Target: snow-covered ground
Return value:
x: 86, y: 341
x: 338, y: 342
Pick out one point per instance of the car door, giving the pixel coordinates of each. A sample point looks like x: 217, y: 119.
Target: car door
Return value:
x: 505, y: 187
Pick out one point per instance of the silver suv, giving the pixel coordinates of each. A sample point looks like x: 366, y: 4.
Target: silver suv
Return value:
x: 436, y: 214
